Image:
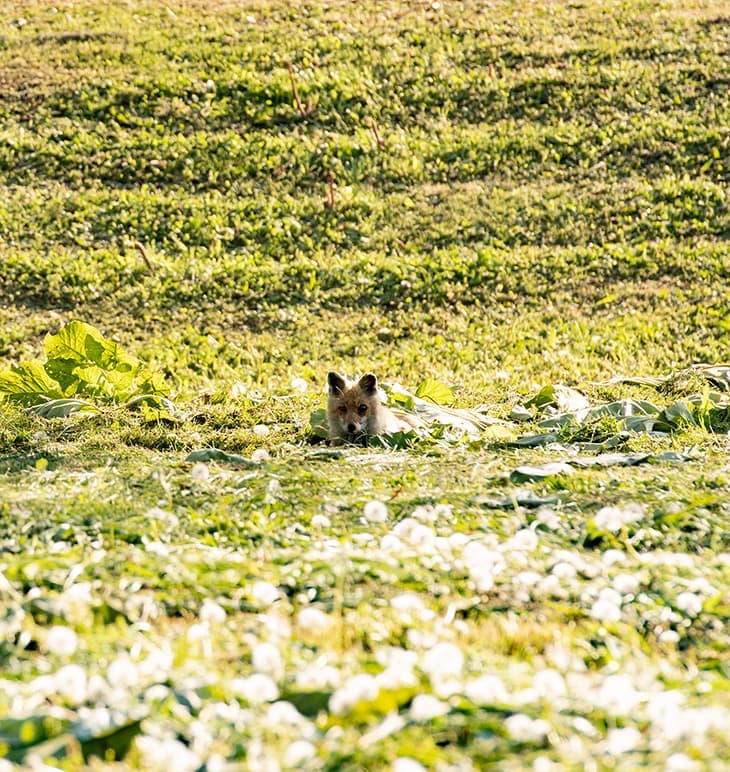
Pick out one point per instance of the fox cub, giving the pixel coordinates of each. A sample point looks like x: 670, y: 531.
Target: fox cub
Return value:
x: 354, y: 410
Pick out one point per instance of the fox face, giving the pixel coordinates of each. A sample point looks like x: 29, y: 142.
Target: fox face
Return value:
x: 352, y: 409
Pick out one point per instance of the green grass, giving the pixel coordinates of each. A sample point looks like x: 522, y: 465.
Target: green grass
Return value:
x: 549, y: 205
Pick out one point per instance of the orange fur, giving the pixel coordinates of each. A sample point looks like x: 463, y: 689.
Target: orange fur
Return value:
x: 354, y: 410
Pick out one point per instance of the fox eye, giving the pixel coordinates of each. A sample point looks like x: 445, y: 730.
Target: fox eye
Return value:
x: 362, y: 409
x: 342, y: 409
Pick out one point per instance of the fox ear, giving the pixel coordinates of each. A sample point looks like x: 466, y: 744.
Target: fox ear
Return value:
x: 368, y: 383
x: 336, y: 383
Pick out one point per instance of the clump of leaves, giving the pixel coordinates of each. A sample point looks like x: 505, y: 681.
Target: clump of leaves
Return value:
x: 85, y: 372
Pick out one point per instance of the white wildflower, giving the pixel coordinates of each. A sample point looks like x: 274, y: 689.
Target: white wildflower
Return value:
x: 613, y: 556
x: 584, y: 726
x: 375, y: 512
x: 525, y: 729
x: 681, y: 762
x: 390, y: 724
x: 162, y: 755
x: 607, y: 607
x: 424, y: 707
x: 123, y: 673
x: 212, y: 613
x: 415, y: 534
x: 618, y: 695
x: 62, y: 641
x: 318, y: 676
x: 70, y: 681
x: 239, y: 389
x: 609, y: 519
x: 690, y: 603
x: 321, y: 521
x: 443, y: 660
x: 614, y: 518
x: 626, y: 584
x: 668, y: 636
x: 313, y: 621
x: 394, y: 677
x: 486, y: 690
x: 200, y: 631
x: 264, y: 593
x: 528, y: 578
x: 157, y: 548
x: 358, y: 688
x: 549, y: 683
x: 525, y: 540
x: 563, y: 570
x: 256, y: 689
x: 283, y: 712
x: 260, y: 455
x: 299, y: 384
x: 620, y: 741
x: 200, y: 472
x: 548, y: 517
x: 407, y: 764
x: 298, y: 752
x: 261, y: 430
x: 482, y: 578
x: 266, y: 658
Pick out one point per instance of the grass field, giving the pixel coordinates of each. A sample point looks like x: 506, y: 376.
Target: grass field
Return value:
x: 507, y: 198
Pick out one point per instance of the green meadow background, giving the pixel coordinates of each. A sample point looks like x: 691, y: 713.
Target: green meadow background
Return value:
x: 501, y: 196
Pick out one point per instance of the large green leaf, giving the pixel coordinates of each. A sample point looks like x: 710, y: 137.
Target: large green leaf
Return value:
x: 28, y: 383
x: 79, y: 342
x: 435, y: 391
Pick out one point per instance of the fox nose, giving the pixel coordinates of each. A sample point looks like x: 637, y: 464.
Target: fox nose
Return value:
x: 351, y: 428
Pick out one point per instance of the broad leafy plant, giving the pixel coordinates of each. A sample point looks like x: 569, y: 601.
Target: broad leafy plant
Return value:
x: 85, y: 373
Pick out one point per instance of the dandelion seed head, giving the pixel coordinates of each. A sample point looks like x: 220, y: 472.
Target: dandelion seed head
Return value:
x: 71, y: 682
x: 161, y: 755
x: 212, y: 613
x: 563, y: 570
x: 256, y: 689
x: 681, y: 762
x: 123, y: 673
x: 621, y: 740
x: 443, y: 660
x: 525, y: 729
x: 609, y: 519
x: 62, y: 641
x: 313, y: 621
x: 407, y: 764
x: 298, y: 752
x: 375, y: 512
x: 487, y: 689
x: 266, y: 658
x: 200, y: 472
x: 264, y: 593
x: 626, y: 584
x: 690, y: 603
x: 613, y: 556
x: 424, y: 707
x: 549, y: 683
x: 525, y: 540
x: 358, y: 688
